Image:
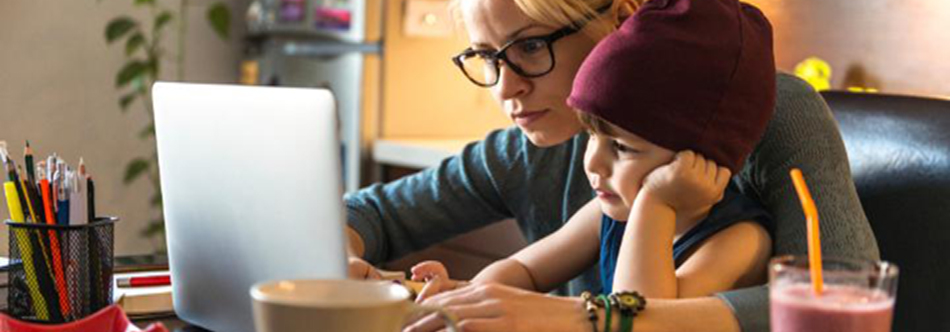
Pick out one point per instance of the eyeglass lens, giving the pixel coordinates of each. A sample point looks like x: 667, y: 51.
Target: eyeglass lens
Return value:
x: 529, y: 57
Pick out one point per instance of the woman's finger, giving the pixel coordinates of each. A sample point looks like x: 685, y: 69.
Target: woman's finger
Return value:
x: 432, y: 287
x: 462, y: 313
x: 456, y: 296
x: 373, y: 274
x: 427, y: 323
x: 483, y: 325
x: 360, y: 269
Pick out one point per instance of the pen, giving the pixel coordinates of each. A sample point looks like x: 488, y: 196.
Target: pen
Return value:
x: 62, y: 194
x: 84, y: 191
x: 149, y: 281
x: 77, y: 201
x: 50, y: 170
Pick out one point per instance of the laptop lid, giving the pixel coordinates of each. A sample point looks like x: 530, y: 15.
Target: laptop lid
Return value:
x: 252, y: 189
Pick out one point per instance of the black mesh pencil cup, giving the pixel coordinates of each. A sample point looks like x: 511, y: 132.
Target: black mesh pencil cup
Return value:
x: 60, y: 273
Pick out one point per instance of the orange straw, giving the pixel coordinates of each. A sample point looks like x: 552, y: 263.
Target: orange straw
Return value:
x: 814, y: 239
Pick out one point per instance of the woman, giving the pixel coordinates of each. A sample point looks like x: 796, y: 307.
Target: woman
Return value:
x: 527, y: 52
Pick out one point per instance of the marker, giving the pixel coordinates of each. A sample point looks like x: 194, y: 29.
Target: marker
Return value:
x: 149, y: 281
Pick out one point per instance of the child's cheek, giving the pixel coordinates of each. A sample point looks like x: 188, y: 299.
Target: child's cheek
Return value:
x: 628, y: 191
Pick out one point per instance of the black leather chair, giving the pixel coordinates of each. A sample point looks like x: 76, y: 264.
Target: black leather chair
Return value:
x: 899, y: 149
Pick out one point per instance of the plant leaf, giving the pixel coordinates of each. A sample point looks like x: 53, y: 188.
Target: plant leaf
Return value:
x: 219, y: 16
x: 156, y: 199
x: 134, y: 43
x: 147, y: 131
x: 135, y: 169
x: 152, y: 67
x: 118, y: 27
x: 127, y: 100
x: 144, y: 2
x: 130, y: 71
x: 154, y: 227
x: 162, y: 20
x: 138, y: 85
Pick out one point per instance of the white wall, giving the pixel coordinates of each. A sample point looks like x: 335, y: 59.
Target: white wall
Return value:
x: 57, y: 90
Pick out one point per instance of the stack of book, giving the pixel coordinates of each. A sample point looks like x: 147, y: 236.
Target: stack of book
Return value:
x: 142, y: 300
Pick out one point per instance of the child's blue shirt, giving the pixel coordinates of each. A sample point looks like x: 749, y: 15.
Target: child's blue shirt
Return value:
x: 733, y: 208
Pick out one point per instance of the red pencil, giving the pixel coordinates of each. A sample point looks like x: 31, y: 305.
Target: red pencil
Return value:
x: 160, y: 280
x: 61, y: 286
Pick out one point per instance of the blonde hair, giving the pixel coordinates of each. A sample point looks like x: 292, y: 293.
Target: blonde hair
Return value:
x: 560, y: 13
x: 567, y: 12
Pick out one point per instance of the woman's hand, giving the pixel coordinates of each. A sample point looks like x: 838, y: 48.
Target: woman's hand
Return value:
x: 360, y: 269
x: 498, y: 308
x: 436, y: 278
x: 689, y: 183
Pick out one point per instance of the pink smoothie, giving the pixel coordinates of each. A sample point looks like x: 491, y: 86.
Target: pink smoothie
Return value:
x: 839, y: 309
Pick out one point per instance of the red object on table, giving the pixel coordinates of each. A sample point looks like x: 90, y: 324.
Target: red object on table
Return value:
x: 149, y: 281
x: 109, y: 319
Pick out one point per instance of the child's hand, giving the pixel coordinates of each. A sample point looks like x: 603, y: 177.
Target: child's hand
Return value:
x: 436, y: 278
x: 689, y: 183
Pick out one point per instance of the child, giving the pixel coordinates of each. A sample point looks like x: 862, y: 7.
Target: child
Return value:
x: 674, y: 102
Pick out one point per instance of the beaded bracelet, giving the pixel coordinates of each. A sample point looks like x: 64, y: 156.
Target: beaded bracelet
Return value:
x: 629, y: 304
x: 605, y: 302
x: 626, y: 323
x: 591, y: 308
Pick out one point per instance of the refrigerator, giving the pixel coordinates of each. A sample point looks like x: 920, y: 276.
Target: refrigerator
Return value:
x: 332, y: 44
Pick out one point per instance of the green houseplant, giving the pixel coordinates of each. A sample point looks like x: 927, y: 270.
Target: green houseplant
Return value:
x: 144, y: 52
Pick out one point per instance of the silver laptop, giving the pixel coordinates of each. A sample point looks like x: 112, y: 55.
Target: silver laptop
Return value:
x: 252, y: 191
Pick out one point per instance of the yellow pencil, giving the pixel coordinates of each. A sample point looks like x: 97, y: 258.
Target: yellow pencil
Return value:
x: 22, y: 238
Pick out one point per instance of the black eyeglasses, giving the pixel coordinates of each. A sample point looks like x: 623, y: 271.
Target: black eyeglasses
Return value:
x: 528, y: 57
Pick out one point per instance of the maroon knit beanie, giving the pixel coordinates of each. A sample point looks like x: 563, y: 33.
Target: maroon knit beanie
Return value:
x: 685, y: 75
